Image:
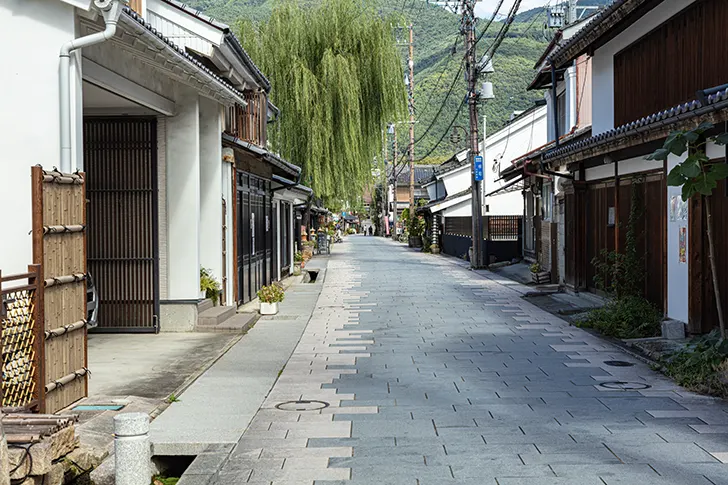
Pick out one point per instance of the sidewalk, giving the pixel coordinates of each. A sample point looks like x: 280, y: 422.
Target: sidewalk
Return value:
x: 214, y: 412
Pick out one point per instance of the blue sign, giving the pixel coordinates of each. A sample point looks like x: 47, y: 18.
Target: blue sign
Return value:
x: 478, y: 168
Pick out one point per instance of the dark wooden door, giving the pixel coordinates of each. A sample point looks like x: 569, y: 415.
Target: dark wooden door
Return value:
x: 121, y: 167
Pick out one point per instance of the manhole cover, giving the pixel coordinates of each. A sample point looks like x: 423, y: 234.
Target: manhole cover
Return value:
x: 625, y: 386
x: 618, y: 363
x: 302, y: 405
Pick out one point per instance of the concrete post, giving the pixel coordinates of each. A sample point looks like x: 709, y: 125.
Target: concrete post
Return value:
x: 132, y: 449
x: 4, y: 457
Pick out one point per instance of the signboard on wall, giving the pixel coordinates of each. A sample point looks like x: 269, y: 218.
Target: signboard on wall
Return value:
x: 478, y: 168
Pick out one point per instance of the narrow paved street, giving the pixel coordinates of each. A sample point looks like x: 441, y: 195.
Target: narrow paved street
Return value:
x: 436, y: 375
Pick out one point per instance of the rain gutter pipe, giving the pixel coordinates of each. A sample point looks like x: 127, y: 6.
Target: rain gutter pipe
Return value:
x: 111, y: 10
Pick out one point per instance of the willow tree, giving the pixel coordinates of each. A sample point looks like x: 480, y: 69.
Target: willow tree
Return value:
x: 337, y: 79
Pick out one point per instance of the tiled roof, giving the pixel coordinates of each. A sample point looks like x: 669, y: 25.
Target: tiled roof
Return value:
x: 599, y: 24
x: 140, y: 20
x: 257, y: 73
x: 421, y: 172
x: 680, y: 112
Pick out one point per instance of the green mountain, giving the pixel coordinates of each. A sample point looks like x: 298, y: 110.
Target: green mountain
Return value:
x: 438, y: 55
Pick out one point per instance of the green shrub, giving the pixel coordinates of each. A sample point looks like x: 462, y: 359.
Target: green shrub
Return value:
x: 628, y: 317
x: 209, y: 285
x: 702, y: 366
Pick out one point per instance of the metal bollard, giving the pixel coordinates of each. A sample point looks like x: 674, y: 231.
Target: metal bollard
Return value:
x: 132, y: 451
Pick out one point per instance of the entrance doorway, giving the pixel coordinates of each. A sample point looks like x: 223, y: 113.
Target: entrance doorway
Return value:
x: 254, y: 235
x: 123, y: 257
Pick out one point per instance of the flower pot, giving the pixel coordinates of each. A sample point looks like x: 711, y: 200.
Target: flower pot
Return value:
x: 416, y: 241
x: 268, y: 308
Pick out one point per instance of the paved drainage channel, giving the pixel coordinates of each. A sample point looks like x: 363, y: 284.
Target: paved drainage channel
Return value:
x: 302, y: 405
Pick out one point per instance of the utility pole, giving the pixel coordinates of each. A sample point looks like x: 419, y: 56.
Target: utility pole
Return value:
x: 468, y: 24
x: 412, y: 122
x: 394, y: 175
x: 385, y: 188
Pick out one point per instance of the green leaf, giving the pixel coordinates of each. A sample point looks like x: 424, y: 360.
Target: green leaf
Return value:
x: 676, y: 178
x: 689, y: 168
x: 678, y: 146
x: 705, y: 185
x: 688, y: 190
x: 692, y: 136
x: 721, y: 139
x: 703, y: 127
x: 659, y: 154
x: 719, y: 171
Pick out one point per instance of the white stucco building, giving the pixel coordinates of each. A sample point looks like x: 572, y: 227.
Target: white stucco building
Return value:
x: 148, y: 108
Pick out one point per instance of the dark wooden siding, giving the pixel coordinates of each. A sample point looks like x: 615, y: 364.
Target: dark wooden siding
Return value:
x: 667, y: 66
x: 599, y: 234
x: 703, y: 313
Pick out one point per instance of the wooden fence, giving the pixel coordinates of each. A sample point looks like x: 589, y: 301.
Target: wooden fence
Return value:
x: 495, y: 228
x: 59, y: 247
x: 21, y: 316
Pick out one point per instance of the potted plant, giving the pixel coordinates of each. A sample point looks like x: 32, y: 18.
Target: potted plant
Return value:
x: 416, y: 229
x: 308, y: 247
x: 538, y: 275
x: 269, y: 297
x: 297, y: 263
x: 209, y: 286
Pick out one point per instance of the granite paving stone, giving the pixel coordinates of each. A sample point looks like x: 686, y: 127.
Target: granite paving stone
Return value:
x: 435, y: 374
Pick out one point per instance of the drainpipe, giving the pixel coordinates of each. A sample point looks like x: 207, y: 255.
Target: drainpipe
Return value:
x: 111, y: 10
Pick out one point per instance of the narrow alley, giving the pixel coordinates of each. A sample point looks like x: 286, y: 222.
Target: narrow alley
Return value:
x: 427, y: 373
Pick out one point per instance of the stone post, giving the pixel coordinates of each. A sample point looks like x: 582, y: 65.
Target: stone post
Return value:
x: 434, y: 247
x: 4, y: 457
x: 132, y: 449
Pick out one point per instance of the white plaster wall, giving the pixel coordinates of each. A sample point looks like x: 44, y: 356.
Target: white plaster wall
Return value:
x: 715, y: 151
x: 162, y: 206
x: 603, y: 61
x: 436, y: 190
x: 32, y: 32
x: 211, y: 166
x: 183, y: 198
x: 463, y: 209
x: 457, y: 180
x: 677, y: 272
x: 626, y: 167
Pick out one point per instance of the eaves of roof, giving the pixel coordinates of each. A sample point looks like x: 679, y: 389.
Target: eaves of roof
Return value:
x: 637, y: 131
x: 518, y: 164
x: 135, y: 19
x: 619, y: 11
x: 264, y: 155
x: 229, y: 37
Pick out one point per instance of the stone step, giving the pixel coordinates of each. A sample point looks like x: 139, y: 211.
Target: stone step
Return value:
x: 240, y: 323
x: 215, y: 315
x: 204, y: 305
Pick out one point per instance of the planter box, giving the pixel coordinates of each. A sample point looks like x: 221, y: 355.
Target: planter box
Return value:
x: 415, y: 241
x: 268, y: 308
x: 541, y: 277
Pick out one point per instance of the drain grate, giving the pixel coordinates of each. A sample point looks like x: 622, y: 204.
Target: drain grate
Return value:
x: 625, y: 386
x: 98, y: 407
x: 302, y: 405
x: 618, y: 363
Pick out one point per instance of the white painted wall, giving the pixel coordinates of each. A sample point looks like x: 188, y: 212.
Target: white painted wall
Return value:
x: 211, y: 166
x: 457, y: 180
x: 436, y: 190
x: 183, y: 197
x: 502, y: 147
x: 626, y: 167
x: 677, y: 272
x: 603, y: 62
x: 227, y: 191
x: 29, y: 124
x: 463, y: 209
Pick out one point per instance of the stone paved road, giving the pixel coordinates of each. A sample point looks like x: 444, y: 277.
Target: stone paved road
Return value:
x: 435, y: 375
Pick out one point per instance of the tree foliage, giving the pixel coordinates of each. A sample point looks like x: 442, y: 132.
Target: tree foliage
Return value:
x: 337, y: 78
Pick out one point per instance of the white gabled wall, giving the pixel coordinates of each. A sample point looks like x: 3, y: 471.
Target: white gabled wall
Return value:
x: 603, y: 62
x: 211, y: 166
x: 29, y: 126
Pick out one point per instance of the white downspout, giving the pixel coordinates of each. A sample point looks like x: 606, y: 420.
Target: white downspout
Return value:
x: 111, y: 10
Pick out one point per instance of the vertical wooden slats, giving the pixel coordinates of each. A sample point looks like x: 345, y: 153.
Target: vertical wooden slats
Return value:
x: 249, y: 123
x: 668, y: 65
x: 120, y: 155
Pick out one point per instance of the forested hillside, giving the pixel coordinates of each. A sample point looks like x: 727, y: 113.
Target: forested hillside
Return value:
x: 438, y: 57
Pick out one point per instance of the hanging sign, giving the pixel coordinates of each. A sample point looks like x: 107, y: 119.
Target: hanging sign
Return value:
x: 478, y: 168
